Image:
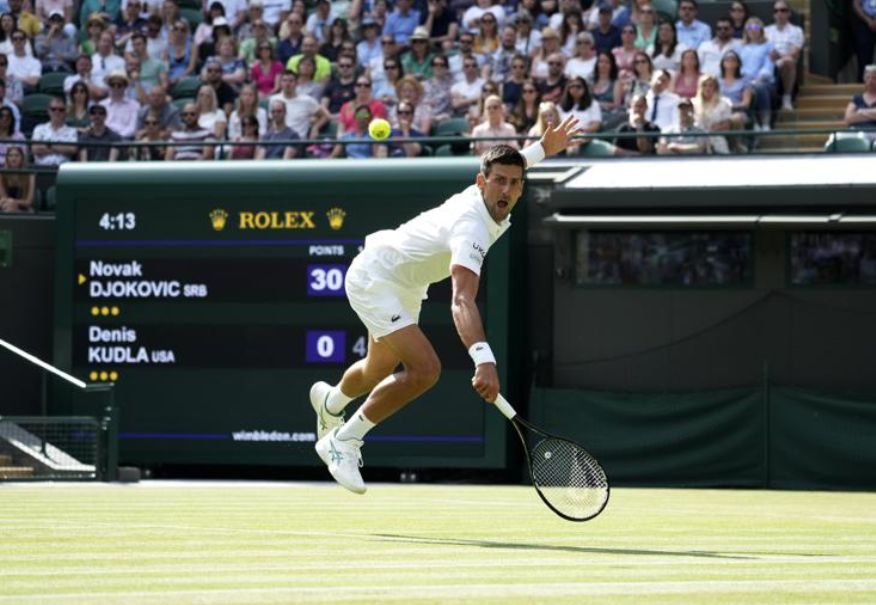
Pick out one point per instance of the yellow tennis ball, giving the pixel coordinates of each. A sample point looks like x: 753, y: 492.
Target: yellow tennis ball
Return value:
x: 379, y: 129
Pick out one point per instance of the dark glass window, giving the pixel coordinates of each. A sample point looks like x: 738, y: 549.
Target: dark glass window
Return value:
x: 671, y: 258
x: 833, y: 259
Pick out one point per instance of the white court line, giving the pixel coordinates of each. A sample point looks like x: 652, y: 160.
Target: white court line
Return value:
x: 503, y: 589
x: 395, y: 565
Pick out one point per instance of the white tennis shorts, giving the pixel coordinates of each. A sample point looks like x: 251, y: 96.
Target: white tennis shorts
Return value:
x: 381, y: 305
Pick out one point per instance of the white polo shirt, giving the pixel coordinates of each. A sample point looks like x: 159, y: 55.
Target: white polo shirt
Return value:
x: 299, y: 112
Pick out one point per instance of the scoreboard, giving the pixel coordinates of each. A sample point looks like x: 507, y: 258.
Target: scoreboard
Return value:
x: 212, y: 296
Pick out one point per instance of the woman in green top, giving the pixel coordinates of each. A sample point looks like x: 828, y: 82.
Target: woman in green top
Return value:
x: 647, y: 28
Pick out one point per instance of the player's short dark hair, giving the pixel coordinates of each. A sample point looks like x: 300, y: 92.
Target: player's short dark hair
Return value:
x: 501, y: 154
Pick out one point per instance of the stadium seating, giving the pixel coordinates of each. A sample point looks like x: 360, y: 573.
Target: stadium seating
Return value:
x: 187, y: 87
x: 848, y: 145
x: 52, y: 83
x: 597, y: 149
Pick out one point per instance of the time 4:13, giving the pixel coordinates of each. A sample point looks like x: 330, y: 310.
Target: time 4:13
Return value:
x: 122, y: 221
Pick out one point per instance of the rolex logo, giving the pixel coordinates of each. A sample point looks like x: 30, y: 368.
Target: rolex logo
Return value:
x: 218, y: 217
x: 336, y: 218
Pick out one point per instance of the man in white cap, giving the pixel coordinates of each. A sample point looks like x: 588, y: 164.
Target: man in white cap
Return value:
x: 54, y: 47
x: 121, y: 110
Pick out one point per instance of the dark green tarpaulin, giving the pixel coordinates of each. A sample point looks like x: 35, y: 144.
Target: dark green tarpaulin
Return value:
x: 758, y: 437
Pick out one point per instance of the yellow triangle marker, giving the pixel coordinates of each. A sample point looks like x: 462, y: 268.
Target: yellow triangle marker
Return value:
x: 82, y: 279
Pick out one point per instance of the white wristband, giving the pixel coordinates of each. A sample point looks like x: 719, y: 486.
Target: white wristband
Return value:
x: 533, y: 154
x: 480, y: 352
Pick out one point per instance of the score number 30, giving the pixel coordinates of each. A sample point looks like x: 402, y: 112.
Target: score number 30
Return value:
x: 326, y: 280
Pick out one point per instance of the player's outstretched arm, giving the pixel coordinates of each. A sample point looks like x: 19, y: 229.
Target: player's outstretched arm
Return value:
x: 556, y: 139
x: 470, y: 327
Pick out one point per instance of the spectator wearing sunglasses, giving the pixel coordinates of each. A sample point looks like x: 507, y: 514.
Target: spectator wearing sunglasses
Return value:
x: 121, y: 110
x: 21, y: 66
x: 100, y: 134
x: 418, y: 60
x: 385, y: 81
x: 54, y: 141
x: 787, y: 41
x: 405, y: 130
x: 310, y: 48
x: 691, y: 31
x: 278, y: 131
x: 363, y: 96
x: 369, y: 47
x: 711, y: 51
x: 194, y: 140
x: 152, y: 133
x: 436, y: 90
x: 359, y: 150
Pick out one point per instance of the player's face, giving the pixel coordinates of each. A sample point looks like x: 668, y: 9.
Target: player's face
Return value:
x: 501, y: 190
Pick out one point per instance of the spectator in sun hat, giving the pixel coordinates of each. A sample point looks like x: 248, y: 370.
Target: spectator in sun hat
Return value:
x: 109, y: 10
x: 121, y: 110
x: 418, y: 60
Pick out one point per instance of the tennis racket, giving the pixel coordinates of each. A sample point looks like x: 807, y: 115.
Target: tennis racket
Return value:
x: 567, y: 478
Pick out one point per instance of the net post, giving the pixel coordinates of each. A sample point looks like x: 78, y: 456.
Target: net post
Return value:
x: 109, y: 428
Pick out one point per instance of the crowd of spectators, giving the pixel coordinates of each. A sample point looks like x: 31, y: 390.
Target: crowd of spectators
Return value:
x: 247, y: 79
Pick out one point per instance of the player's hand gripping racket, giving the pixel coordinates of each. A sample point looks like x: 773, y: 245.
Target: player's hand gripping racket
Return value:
x: 569, y: 480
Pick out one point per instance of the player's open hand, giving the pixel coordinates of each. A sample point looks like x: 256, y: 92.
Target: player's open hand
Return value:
x: 556, y: 139
x: 486, y: 381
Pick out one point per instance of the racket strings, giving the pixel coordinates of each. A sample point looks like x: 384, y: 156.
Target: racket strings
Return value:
x: 568, y: 478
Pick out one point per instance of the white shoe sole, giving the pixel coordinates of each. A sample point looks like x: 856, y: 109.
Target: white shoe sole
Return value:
x: 322, y: 450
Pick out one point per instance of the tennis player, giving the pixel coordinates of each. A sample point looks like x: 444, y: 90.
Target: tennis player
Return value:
x: 386, y: 284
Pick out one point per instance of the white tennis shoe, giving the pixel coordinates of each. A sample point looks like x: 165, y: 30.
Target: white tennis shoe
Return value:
x: 343, y: 459
x: 325, y: 420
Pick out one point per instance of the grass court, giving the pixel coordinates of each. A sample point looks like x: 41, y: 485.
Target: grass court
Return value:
x: 162, y: 542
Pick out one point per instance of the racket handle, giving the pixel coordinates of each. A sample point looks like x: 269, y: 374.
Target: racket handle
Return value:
x: 503, y: 406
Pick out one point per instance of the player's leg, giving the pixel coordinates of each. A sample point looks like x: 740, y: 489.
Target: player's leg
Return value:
x: 329, y: 401
x: 420, y: 371
x: 340, y: 449
x: 361, y: 377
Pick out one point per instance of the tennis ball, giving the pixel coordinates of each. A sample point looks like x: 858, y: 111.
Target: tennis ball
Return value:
x: 379, y: 129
